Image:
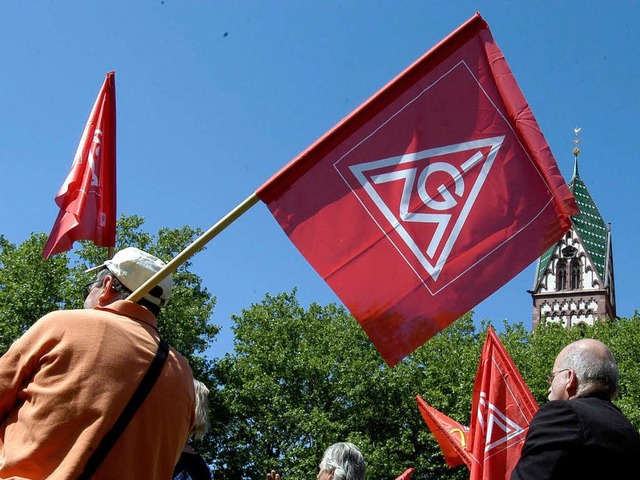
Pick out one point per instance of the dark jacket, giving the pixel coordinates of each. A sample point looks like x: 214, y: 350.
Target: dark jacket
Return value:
x: 583, y: 438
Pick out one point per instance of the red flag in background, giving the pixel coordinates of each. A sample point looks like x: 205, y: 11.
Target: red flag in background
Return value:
x: 406, y: 475
x: 452, y: 437
x: 501, y: 410
x: 427, y: 198
x: 87, y: 198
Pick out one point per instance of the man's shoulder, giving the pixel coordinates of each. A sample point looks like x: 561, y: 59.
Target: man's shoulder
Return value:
x: 592, y: 405
x: 58, y: 317
x: 180, y: 360
x: 553, y: 407
x: 589, y: 410
x: 577, y: 406
x: 576, y: 403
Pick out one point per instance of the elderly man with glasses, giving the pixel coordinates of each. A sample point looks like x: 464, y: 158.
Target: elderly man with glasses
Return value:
x: 65, y: 382
x: 580, y: 433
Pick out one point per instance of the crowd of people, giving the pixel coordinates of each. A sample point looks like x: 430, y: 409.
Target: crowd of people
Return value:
x: 92, y: 393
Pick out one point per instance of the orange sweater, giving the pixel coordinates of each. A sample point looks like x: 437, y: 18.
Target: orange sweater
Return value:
x: 64, y: 383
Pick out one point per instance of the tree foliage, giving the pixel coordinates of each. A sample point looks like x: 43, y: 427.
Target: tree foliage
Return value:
x: 301, y: 379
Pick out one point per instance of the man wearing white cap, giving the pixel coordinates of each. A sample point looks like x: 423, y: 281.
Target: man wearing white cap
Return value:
x: 64, y: 383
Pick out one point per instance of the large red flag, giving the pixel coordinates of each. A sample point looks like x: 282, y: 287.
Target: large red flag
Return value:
x: 501, y: 411
x: 452, y: 437
x: 427, y: 198
x: 87, y: 198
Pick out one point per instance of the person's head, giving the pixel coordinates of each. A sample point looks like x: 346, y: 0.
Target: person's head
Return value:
x: 127, y: 271
x: 584, y: 367
x: 342, y: 461
x: 201, y: 423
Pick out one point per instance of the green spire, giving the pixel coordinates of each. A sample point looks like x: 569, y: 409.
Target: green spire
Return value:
x: 588, y: 222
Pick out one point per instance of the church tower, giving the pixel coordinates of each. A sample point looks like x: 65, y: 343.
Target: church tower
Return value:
x: 574, y: 278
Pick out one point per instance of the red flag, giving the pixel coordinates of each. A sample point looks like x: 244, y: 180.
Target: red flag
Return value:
x: 87, y: 198
x: 406, y: 475
x: 452, y: 437
x: 427, y: 198
x: 501, y: 413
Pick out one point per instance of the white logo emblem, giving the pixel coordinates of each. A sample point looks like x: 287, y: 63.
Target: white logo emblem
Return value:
x: 94, y: 153
x: 415, y: 170
x: 498, y: 428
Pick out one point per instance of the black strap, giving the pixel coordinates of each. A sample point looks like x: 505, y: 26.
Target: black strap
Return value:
x: 136, y: 400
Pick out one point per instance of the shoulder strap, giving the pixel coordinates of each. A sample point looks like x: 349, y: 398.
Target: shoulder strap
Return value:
x: 136, y: 400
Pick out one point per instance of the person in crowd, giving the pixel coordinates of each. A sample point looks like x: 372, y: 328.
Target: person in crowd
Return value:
x: 191, y: 465
x: 67, y: 379
x: 580, y: 433
x: 341, y: 461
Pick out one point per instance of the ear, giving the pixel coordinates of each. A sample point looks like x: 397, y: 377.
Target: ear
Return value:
x: 106, y: 294
x: 572, y: 384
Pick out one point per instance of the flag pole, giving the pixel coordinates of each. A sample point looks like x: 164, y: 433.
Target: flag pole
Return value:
x: 194, y: 247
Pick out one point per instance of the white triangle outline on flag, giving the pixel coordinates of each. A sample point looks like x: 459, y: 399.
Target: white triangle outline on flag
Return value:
x: 433, y: 268
x: 497, y: 418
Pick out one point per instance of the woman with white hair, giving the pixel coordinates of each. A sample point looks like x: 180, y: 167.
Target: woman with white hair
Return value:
x: 191, y: 465
x: 341, y: 461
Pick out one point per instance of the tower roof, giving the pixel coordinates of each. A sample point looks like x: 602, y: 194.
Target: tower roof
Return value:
x: 589, y: 224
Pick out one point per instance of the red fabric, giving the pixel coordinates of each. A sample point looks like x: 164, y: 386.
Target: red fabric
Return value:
x: 501, y: 413
x: 427, y: 198
x: 406, y: 475
x: 87, y: 198
x: 452, y: 437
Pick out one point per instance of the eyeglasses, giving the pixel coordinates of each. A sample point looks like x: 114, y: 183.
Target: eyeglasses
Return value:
x: 86, y: 290
x: 552, y: 375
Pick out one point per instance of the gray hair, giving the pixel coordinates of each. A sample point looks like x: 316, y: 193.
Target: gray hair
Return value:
x: 122, y: 292
x: 594, y: 366
x: 201, y: 423
x: 346, y: 461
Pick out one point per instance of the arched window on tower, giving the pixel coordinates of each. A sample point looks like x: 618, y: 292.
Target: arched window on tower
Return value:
x: 561, y: 275
x: 576, y: 274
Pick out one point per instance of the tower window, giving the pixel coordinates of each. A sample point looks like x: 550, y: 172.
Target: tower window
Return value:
x: 561, y: 275
x: 576, y: 276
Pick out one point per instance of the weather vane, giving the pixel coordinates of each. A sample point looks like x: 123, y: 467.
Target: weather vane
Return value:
x: 576, y: 141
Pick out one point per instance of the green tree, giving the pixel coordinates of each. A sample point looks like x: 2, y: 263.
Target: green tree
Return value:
x: 301, y: 379
x: 30, y: 286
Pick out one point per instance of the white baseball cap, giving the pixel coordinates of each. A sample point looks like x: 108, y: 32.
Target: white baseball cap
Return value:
x: 133, y: 267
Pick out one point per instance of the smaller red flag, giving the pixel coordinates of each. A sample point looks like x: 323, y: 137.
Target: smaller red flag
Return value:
x: 406, y: 475
x: 452, y: 437
x: 501, y: 412
x: 87, y: 198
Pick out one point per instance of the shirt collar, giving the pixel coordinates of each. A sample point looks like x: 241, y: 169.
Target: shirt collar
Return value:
x: 131, y: 310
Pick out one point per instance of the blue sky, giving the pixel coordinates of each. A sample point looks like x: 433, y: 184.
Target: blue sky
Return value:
x: 215, y: 97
